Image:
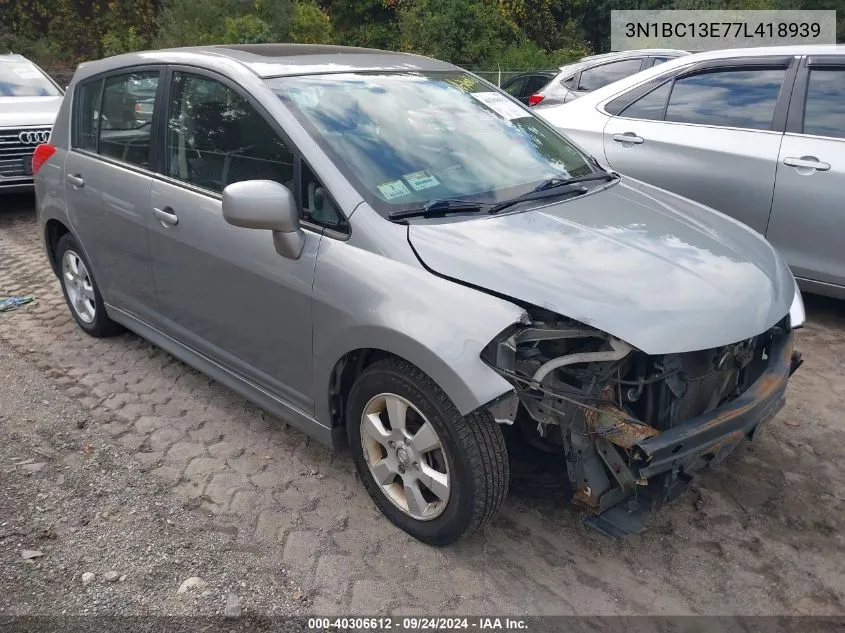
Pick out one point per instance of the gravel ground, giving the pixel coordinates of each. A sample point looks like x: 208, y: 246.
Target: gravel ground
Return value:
x: 79, y: 507
x: 173, y: 476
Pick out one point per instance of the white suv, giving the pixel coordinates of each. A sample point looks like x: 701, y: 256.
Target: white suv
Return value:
x: 29, y: 102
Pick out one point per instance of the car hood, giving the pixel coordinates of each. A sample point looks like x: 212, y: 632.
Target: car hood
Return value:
x: 659, y: 271
x: 25, y: 111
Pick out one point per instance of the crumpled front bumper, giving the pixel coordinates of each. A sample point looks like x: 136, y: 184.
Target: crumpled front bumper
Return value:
x: 669, y: 459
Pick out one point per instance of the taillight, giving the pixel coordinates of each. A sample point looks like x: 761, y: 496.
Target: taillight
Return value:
x: 535, y: 99
x: 42, y: 154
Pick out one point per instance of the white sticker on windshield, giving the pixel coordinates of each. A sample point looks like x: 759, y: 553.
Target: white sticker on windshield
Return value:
x: 420, y: 180
x: 393, y: 189
x: 501, y: 105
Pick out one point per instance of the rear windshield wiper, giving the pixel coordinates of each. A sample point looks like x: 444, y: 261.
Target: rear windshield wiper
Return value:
x: 437, y: 207
x: 555, y: 187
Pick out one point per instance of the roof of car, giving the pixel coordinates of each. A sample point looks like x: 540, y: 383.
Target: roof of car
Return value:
x: 12, y: 57
x: 275, y: 60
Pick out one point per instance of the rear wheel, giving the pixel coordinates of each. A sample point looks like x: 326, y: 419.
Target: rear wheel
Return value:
x: 80, y: 290
x: 434, y: 473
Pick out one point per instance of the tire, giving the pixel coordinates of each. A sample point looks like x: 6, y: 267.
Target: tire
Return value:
x: 470, y: 451
x: 80, y: 290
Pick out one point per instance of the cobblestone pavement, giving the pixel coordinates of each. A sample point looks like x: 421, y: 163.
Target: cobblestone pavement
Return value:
x: 761, y: 535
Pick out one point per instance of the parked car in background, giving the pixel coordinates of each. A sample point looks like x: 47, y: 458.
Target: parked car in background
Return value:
x: 29, y: 101
x: 401, y: 257
x: 758, y: 134
x: 596, y: 71
x: 524, y: 85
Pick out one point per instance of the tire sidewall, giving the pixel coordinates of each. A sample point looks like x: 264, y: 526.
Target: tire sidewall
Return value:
x: 68, y: 243
x: 457, y: 516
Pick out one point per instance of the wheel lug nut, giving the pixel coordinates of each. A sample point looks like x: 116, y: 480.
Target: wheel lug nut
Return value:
x: 401, y: 469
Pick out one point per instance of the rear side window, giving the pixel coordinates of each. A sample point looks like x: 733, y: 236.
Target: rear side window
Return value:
x: 215, y: 137
x: 126, y: 117
x: 651, y: 106
x: 514, y: 88
x: 727, y: 98
x: 86, y: 124
x: 600, y: 76
x: 824, y: 111
x: 535, y: 83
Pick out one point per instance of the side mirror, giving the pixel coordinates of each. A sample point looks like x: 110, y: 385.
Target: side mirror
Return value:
x: 267, y: 205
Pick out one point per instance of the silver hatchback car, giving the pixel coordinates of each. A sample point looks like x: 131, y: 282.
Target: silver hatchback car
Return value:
x: 758, y: 134
x: 385, y: 250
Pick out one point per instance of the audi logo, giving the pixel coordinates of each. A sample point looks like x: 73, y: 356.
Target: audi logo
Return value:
x: 34, y: 137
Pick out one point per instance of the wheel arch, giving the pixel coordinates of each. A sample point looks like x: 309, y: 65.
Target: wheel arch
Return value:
x: 468, y: 382
x: 54, y: 230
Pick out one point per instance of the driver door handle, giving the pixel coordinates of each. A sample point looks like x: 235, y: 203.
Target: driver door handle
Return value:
x: 167, y: 216
x: 75, y: 179
x: 628, y: 137
x: 807, y: 162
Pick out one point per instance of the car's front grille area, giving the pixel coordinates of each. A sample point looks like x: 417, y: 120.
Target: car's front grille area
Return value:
x: 16, y: 148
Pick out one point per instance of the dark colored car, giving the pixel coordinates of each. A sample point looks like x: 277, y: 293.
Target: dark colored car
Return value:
x: 524, y: 85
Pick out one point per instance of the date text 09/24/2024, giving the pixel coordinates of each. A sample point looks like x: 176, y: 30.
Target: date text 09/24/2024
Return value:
x: 418, y: 623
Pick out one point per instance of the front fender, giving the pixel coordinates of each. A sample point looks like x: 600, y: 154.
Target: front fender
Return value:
x: 367, y: 301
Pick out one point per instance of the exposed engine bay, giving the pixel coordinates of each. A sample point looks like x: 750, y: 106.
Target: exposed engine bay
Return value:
x: 633, y: 427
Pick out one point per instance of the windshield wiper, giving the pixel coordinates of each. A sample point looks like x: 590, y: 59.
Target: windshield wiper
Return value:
x: 437, y: 207
x: 555, y: 187
x: 551, y: 183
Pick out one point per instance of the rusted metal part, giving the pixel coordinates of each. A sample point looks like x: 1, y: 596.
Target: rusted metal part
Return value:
x: 584, y: 498
x: 615, y: 426
x: 711, y: 432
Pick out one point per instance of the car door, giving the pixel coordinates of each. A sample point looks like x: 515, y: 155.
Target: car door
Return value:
x: 711, y: 133
x: 224, y: 291
x: 808, y: 215
x: 108, y: 176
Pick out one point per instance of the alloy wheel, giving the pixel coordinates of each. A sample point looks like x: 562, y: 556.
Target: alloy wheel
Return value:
x: 79, y: 287
x: 405, y: 456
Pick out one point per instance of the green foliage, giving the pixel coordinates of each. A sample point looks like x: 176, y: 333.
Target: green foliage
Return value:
x: 310, y: 24
x: 246, y: 29
x: 489, y: 34
x: 467, y: 33
x: 197, y: 22
x: 117, y: 41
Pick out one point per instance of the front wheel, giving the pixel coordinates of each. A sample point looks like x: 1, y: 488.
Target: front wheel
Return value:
x: 434, y: 473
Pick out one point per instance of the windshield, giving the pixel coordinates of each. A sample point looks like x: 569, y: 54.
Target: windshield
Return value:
x: 23, y: 79
x: 406, y: 138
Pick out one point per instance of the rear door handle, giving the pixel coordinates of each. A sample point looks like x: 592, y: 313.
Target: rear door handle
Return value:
x: 167, y: 216
x: 807, y: 162
x: 75, y: 179
x: 628, y: 137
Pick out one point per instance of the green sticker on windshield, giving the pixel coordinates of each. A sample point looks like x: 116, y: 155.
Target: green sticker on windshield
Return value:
x: 420, y: 180
x: 393, y: 189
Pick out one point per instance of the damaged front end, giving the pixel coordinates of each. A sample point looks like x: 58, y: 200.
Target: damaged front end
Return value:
x: 632, y: 427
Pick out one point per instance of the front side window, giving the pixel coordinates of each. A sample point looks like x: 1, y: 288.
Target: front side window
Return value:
x: 600, y: 76
x: 824, y: 112
x: 729, y: 98
x: 406, y: 138
x: 20, y: 78
x: 216, y: 138
x: 125, y: 121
